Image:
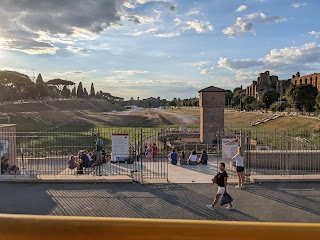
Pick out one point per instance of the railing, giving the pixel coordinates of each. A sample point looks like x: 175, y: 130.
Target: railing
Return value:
x: 14, y: 227
x: 48, y: 153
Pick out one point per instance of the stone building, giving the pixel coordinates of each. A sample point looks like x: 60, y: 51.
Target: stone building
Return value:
x: 312, y: 79
x: 211, y: 104
x: 266, y: 82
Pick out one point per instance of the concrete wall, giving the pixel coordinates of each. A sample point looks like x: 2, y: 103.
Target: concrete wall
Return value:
x: 292, y: 160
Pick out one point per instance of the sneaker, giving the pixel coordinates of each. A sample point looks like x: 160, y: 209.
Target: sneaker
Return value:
x: 230, y: 207
x: 210, y: 207
x: 238, y: 187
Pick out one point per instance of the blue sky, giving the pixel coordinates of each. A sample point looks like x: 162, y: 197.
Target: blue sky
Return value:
x: 171, y: 48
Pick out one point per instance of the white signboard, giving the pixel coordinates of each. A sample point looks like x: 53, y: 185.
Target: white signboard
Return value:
x: 120, y: 146
x: 229, y: 148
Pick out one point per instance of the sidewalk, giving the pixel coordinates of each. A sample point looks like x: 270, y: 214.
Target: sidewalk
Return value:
x: 284, y: 178
x: 66, y: 179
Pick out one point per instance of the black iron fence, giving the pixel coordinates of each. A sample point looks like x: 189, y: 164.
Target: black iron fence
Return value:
x: 268, y: 152
x: 59, y: 153
x: 277, y: 152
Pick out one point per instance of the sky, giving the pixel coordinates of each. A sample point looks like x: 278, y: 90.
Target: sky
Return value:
x: 159, y: 48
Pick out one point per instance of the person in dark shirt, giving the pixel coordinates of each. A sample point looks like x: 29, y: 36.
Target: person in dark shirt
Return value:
x: 221, y: 180
x: 173, y: 156
x: 203, y: 160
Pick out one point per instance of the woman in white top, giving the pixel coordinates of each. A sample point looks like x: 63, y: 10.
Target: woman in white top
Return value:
x: 193, y: 159
x: 239, y: 157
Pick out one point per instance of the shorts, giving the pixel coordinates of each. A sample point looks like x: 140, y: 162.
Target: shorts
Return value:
x: 221, y: 190
x: 240, y: 169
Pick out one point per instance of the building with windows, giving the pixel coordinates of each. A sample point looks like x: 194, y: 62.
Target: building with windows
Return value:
x: 312, y: 79
x: 266, y: 82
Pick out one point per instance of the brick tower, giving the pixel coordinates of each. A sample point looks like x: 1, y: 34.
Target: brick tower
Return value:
x: 211, y: 104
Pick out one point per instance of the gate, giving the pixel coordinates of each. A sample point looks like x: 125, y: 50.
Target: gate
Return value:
x: 49, y: 153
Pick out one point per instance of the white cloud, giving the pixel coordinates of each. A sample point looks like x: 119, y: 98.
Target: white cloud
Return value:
x: 280, y: 61
x: 139, y: 33
x: 193, y: 11
x: 130, y: 72
x: 298, y: 5
x: 238, y: 64
x: 167, y: 35
x: 241, y: 8
x: 246, y: 24
x: 307, y: 53
x: 314, y: 33
x: 140, y: 19
x: 74, y: 49
x: 205, y: 71
x: 23, y: 30
x: 241, y: 26
x: 200, y: 64
x: 198, y: 26
x: 264, y: 18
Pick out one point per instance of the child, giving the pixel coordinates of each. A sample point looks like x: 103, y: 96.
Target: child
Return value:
x: 221, y: 180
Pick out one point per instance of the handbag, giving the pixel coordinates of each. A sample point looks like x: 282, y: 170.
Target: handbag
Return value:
x: 226, y: 198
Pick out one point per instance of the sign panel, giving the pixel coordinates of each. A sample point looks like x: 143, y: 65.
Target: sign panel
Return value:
x: 229, y: 148
x: 120, y: 146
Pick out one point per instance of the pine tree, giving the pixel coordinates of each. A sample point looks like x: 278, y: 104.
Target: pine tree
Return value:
x: 40, y: 87
x: 92, y: 92
x: 74, y: 92
x: 80, y: 91
x: 85, y: 93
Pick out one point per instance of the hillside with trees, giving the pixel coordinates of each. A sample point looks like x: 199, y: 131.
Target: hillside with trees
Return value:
x: 15, y: 86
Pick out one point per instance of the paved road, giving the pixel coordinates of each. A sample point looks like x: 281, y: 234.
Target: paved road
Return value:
x: 285, y: 202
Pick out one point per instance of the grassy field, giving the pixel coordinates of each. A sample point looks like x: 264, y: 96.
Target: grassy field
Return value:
x: 282, y: 133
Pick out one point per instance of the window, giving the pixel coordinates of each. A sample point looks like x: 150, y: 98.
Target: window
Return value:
x: 311, y: 80
x: 300, y: 81
x: 306, y: 81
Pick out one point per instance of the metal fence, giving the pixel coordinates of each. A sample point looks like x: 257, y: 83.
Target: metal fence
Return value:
x: 268, y: 152
x: 277, y: 152
x: 49, y: 153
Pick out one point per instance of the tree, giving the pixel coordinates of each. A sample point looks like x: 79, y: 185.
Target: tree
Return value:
x: 268, y: 97
x: 85, y: 93
x: 17, y: 86
x: 80, y: 91
x: 248, y: 102
x: 41, y: 90
x: 92, y: 92
x: 172, y: 103
x: 229, y: 96
x: 65, y: 92
x: 302, y: 97
x: 318, y: 101
x: 74, y: 92
x: 238, y: 94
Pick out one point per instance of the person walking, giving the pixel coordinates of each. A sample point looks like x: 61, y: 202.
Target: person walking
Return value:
x: 149, y: 152
x: 154, y: 152
x: 221, y: 179
x: 239, y: 157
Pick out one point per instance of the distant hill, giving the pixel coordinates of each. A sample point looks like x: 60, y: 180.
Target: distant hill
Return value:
x: 63, y: 105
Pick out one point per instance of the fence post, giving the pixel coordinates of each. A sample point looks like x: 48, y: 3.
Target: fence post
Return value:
x: 141, y: 158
